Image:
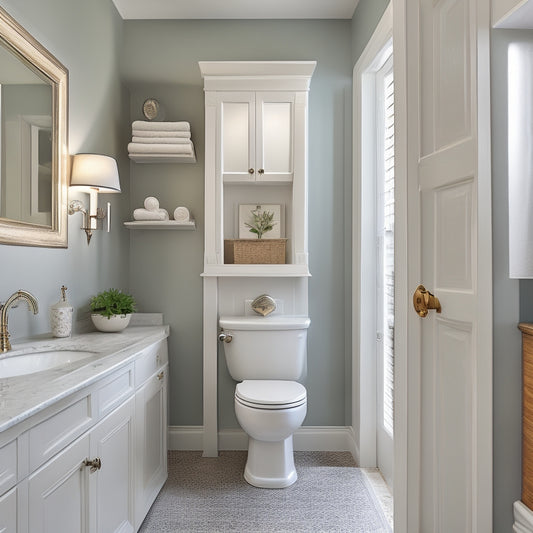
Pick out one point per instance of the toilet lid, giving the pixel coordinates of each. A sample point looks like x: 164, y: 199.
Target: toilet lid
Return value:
x: 271, y: 393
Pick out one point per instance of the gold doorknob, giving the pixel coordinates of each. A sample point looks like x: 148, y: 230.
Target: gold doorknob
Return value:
x: 423, y: 301
x: 251, y: 171
x: 261, y: 171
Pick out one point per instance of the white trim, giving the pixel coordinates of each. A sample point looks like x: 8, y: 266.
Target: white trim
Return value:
x: 307, y: 438
x: 523, y: 518
x: 363, y: 326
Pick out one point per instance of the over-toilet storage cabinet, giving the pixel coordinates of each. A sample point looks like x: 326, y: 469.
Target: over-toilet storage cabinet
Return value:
x: 256, y: 136
x: 119, y: 426
x: 256, y: 153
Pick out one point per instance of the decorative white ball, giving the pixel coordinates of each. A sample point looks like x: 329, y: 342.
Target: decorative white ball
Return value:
x: 151, y: 203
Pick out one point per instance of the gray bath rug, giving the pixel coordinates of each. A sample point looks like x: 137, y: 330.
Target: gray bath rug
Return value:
x: 209, y: 494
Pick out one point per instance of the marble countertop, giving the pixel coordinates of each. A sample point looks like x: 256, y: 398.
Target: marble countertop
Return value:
x: 24, y: 396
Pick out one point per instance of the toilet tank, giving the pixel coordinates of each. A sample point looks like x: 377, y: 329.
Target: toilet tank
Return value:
x: 273, y: 347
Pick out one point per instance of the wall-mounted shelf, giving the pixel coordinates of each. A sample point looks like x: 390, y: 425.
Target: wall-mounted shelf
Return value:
x: 257, y: 271
x: 161, y: 224
x: 163, y: 158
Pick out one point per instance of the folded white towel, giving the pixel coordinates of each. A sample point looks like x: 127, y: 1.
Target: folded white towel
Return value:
x: 144, y: 214
x: 157, y: 133
x: 161, y: 126
x: 160, y: 140
x: 151, y: 203
x: 181, y: 214
x: 144, y: 148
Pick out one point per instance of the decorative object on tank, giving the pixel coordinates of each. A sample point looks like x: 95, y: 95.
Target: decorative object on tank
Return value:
x: 264, y: 305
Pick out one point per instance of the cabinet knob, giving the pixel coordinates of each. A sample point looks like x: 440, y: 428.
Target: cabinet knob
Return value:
x: 261, y: 171
x: 251, y: 171
x: 161, y: 375
x: 95, y: 464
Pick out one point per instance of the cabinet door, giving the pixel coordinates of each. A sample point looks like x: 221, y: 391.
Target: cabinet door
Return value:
x: 151, y: 430
x: 274, y: 136
x: 58, y: 492
x: 236, y: 135
x: 112, y: 486
x: 8, y: 512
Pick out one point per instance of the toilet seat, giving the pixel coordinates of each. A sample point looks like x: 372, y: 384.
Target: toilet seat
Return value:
x: 270, y: 394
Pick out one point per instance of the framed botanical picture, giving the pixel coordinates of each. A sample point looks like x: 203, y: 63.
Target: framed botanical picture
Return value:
x: 260, y: 217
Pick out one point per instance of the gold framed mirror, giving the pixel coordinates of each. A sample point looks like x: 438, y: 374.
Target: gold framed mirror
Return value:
x: 33, y: 140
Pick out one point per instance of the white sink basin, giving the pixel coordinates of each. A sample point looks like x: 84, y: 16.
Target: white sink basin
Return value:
x: 20, y: 365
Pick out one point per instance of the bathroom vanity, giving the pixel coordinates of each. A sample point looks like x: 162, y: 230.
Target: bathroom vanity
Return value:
x: 83, y: 445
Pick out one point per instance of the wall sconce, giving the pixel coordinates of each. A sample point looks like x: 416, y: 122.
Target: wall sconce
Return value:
x: 93, y: 173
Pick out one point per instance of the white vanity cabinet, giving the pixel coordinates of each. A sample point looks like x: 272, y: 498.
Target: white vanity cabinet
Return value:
x: 86, y: 463
x: 150, y: 434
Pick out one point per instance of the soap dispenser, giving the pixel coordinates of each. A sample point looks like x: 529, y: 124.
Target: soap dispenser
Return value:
x: 61, y: 316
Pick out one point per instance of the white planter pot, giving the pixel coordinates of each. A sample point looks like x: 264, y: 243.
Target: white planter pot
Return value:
x: 113, y: 323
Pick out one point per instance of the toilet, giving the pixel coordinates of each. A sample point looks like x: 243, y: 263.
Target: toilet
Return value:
x: 266, y: 355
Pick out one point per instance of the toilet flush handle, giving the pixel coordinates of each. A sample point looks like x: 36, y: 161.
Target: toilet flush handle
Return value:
x: 225, y: 337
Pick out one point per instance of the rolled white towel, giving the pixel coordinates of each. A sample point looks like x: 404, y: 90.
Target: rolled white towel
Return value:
x: 151, y: 203
x: 156, y: 133
x: 161, y: 126
x: 145, y: 148
x: 160, y: 140
x: 144, y: 214
x: 181, y: 214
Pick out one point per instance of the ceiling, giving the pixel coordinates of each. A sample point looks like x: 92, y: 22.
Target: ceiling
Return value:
x: 236, y: 9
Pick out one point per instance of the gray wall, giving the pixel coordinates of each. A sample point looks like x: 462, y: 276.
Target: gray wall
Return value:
x: 366, y: 17
x: 160, y: 59
x: 506, y: 336
x: 85, y: 37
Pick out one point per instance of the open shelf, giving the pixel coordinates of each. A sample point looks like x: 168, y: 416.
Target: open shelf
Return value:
x: 161, y: 224
x: 163, y: 158
x: 257, y: 271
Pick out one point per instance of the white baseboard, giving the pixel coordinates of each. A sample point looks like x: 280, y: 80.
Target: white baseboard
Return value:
x: 523, y: 518
x: 307, y: 438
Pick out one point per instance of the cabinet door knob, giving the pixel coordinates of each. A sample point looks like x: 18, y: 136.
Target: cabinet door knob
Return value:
x: 261, y: 171
x: 251, y: 171
x: 161, y: 375
x: 95, y: 464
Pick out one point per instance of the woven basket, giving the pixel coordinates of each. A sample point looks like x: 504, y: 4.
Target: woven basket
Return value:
x: 254, y: 251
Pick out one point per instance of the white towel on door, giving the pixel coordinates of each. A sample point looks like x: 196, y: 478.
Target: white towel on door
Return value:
x: 160, y: 140
x: 157, y: 133
x: 161, y: 126
x: 145, y: 148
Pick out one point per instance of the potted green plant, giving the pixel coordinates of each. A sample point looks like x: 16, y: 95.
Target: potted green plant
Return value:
x: 111, y: 310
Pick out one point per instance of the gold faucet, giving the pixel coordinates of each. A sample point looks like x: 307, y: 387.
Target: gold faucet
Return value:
x: 21, y: 294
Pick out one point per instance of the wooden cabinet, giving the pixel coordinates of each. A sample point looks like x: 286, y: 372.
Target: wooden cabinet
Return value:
x: 527, y: 414
x: 97, y: 461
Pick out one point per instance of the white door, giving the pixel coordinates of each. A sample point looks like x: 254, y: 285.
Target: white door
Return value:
x: 443, y: 475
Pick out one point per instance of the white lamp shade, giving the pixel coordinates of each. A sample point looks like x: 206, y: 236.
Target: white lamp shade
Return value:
x: 93, y: 171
